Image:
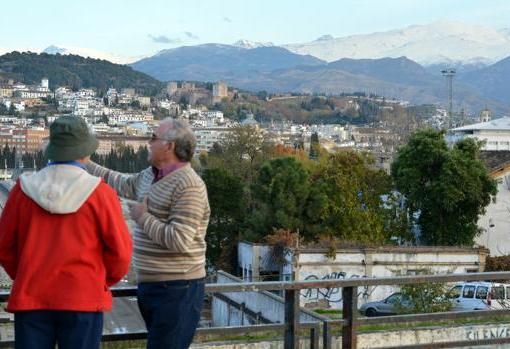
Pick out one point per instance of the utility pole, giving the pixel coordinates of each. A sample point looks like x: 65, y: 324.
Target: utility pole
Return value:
x: 449, y: 73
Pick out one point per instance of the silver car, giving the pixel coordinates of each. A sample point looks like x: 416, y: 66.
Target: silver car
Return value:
x: 387, y: 306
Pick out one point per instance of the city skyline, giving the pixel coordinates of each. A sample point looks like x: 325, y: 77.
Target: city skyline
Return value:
x: 131, y: 28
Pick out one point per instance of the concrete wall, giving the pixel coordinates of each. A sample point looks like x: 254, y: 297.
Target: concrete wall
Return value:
x: 378, y: 339
x: 379, y: 262
x: 268, y: 304
x: 313, y: 264
x: 253, y: 259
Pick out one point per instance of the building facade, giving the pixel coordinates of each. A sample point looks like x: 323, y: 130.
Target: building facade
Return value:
x: 27, y: 140
x: 107, y: 143
x: 255, y: 263
x: 495, y: 134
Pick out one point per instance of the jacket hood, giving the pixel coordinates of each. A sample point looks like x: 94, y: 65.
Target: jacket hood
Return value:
x: 59, y: 189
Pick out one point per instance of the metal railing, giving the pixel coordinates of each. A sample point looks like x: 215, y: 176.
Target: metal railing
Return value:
x: 350, y: 321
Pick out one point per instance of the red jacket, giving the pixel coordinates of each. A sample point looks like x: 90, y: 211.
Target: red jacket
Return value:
x: 63, y: 260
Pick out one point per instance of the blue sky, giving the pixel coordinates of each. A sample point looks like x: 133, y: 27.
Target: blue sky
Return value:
x: 134, y: 27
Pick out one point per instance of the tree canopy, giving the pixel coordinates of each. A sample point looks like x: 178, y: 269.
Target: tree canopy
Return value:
x: 449, y: 187
x: 76, y: 72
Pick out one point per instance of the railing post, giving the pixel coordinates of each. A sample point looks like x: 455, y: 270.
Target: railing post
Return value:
x: 291, y: 340
x: 314, y: 336
x: 241, y: 308
x: 349, y: 314
x: 326, y: 335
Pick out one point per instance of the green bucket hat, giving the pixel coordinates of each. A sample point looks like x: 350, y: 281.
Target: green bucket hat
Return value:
x: 70, y: 139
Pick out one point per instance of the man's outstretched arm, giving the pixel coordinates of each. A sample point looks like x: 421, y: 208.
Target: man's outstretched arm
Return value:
x: 125, y: 184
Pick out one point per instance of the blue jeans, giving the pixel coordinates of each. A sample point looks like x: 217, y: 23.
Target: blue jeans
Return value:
x: 42, y: 329
x: 171, y: 311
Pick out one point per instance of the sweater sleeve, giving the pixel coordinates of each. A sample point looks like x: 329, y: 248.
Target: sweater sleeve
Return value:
x: 183, y: 223
x: 124, y: 184
x: 118, y: 246
x: 8, y: 231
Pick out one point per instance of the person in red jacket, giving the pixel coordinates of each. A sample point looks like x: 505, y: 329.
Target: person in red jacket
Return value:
x: 64, y: 242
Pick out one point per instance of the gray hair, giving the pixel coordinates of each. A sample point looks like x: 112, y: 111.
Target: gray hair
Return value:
x: 180, y: 132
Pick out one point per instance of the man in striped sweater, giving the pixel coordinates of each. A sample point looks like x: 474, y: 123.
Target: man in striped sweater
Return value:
x: 172, y: 213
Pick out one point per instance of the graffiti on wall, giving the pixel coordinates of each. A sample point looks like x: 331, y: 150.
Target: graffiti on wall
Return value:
x: 487, y: 333
x: 334, y: 294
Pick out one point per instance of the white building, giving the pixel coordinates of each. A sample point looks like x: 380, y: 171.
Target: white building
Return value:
x: 256, y: 261
x: 495, y: 133
x: 100, y: 128
x: 121, y: 117
x: 29, y: 94
x: 206, y: 137
x: 495, y: 223
x: 215, y: 115
x: 45, y: 84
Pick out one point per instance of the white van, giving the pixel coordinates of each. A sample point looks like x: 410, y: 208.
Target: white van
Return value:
x: 479, y: 296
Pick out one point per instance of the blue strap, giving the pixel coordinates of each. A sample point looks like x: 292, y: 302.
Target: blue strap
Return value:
x: 72, y: 163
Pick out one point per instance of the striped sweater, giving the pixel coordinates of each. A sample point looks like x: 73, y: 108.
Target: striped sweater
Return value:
x: 169, y: 239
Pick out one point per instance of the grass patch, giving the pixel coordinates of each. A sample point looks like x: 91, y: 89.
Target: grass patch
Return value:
x: 414, y: 325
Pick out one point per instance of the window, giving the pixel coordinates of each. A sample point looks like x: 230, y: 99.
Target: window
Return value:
x: 469, y: 291
x: 498, y: 292
x: 481, y: 292
x: 394, y: 298
x: 508, y: 292
x: 455, y: 292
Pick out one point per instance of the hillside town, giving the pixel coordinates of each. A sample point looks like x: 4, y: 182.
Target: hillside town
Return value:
x: 126, y: 118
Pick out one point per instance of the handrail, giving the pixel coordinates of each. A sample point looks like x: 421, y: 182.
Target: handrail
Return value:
x: 338, y: 283
x: 350, y: 320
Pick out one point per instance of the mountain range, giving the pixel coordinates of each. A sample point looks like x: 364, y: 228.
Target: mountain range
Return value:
x: 276, y: 69
x: 211, y: 62
x: 441, y: 42
x: 404, y: 63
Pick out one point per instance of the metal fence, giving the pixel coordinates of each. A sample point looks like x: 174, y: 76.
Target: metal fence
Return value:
x: 350, y: 321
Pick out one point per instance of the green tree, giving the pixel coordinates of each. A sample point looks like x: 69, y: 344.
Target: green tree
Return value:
x: 135, y: 104
x: 315, y: 146
x: 225, y: 193
x: 243, y: 150
x: 423, y: 298
x: 280, y: 195
x: 346, y: 199
x: 12, y: 109
x: 449, y: 187
x: 104, y: 119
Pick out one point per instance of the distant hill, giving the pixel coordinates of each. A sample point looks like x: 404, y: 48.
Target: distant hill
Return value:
x: 277, y: 70
x: 492, y: 81
x: 390, y: 77
x: 396, y: 70
x: 212, y: 62
x: 76, y: 72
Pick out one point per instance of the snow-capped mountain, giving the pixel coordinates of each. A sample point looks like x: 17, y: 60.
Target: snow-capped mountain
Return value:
x: 251, y: 44
x: 86, y: 52
x: 438, y: 42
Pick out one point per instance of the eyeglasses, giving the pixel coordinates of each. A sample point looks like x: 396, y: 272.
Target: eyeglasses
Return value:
x: 154, y: 138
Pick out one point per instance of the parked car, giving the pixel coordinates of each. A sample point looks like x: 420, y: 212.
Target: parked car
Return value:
x: 387, y: 306
x: 479, y: 296
x: 464, y: 297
